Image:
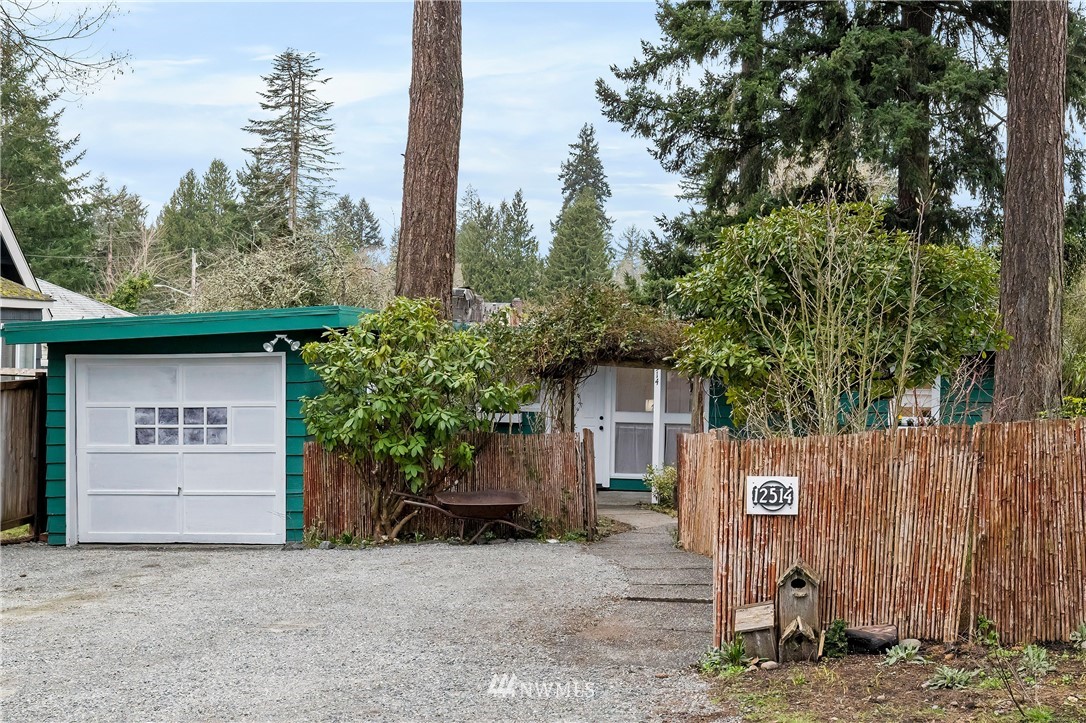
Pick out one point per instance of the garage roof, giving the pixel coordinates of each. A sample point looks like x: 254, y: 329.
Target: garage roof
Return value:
x: 173, y: 325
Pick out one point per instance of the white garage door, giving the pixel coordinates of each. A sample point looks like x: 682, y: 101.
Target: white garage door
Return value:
x: 180, y: 449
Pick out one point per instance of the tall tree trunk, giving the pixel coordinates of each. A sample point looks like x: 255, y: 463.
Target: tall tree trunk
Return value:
x: 1031, y: 275
x: 751, y: 130
x: 914, y: 158
x: 425, y: 256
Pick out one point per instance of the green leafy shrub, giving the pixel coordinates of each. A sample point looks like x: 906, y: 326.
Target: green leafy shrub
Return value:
x: 729, y: 655
x: 903, y: 654
x: 948, y: 678
x: 836, y: 643
x: 405, y: 394
x: 1078, y: 635
x: 986, y: 633
x: 662, y: 483
x: 1035, y: 662
x: 807, y: 306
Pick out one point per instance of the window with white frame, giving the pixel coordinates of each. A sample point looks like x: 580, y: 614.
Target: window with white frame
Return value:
x: 919, y: 407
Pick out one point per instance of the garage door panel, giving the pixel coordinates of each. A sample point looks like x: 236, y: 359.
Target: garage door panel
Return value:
x: 254, y: 425
x: 240, y: 515
x: 109, y: 426
x: 133, y: 472
x: 129, y: 514
x: 253, y: 382
x: 128, y: 382
x: 230, y: 472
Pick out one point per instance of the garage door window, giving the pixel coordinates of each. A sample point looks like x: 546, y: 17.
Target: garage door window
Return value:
x: 162, y: 425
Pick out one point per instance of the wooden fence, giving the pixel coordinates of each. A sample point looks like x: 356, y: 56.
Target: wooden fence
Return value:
x: 922, y: 528
x: 555, y: 472
x: 21, y: 422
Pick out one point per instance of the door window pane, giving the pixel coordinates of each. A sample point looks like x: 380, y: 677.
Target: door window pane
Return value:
x: 633, y: 448
x: 671, y: 434
x: 677, y: 396
x: 633, y: 390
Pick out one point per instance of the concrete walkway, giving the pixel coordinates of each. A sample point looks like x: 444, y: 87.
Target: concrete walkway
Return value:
x: 663, y: 621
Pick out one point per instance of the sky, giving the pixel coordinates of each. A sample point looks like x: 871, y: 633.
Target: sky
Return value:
x: 529, y: 72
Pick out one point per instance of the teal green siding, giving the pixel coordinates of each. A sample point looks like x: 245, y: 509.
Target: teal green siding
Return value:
x: 628, y: 485
x: 300, y: 381
x: 720, y: 412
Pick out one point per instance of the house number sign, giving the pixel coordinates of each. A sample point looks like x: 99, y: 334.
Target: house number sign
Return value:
x: 772, y: 495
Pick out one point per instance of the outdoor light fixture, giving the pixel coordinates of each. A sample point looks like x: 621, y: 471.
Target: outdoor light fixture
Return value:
x: 269, y: 346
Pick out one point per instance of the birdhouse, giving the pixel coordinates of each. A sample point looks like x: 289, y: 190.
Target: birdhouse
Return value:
x: 798, y: 613
x: 757, y: 624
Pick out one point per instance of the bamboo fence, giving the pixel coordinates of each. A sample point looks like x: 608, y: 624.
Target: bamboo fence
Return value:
x: 697, y: 493
x: 891, y: 519
x: 1029, y: 555
x: 555, y: 472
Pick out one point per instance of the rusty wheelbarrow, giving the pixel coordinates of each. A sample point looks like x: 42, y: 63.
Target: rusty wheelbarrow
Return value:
x: 491, y: 507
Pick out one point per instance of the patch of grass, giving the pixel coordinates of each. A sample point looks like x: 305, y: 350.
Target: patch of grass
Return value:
x: 798, y: 678
x: 15, y: 532
x: 990, y: 682
x: 1038, y: 714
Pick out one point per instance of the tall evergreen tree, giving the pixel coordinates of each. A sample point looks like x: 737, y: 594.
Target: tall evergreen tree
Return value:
x: 119, y: 221
x: 497, y: 249
x: 263, y: 199
x: 203, y: 213
x: 584, y: 169
x: 223, y: 226
x: 355, y: 224
x: 426, y: 248
x: 1028, y: 374
x: 38, y: 186
x: 579, y: 254
x: 295, y: 144
x: 180, y: 221
x: 758, y: 104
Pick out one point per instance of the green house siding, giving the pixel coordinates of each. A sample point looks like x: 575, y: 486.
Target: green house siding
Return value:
x: 300, y: 381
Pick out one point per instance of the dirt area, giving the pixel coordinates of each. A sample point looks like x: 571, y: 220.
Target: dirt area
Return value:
x: 858, y: 688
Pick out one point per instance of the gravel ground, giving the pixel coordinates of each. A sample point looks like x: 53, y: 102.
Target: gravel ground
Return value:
x: 414, y: 632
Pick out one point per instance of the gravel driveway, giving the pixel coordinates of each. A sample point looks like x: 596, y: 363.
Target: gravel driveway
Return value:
x: 415, y: 632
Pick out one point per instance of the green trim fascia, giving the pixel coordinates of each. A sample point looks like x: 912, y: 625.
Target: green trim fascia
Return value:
x: 172, y: 325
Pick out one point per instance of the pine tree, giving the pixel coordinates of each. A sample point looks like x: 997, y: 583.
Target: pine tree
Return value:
x: 118, y: 221
x: 223, y: 226
x: 295, y: 146
x: 584, y: 169
x: 355, y: 224
x: 38, y: 186
x: 579, y: 253
x: 180, y: 222
x: 496, y: 249
x: 263, y: 200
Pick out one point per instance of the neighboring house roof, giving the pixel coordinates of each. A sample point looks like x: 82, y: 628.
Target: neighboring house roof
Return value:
x: 14, y: 266
x: 11, y: 291
x: 68, y: 304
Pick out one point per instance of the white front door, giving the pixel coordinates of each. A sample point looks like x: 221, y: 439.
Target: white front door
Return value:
x: 180, y: 449
x: 593, y: 403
